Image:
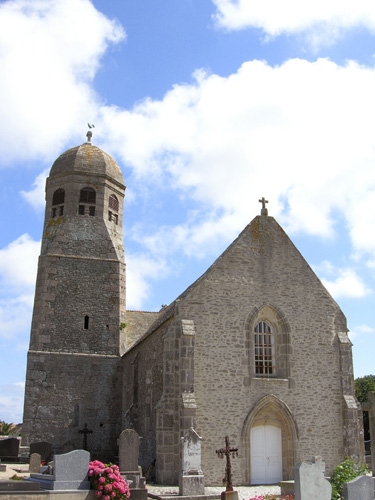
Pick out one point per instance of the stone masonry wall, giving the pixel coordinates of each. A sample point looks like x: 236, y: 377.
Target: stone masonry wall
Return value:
x: 64, y: 391
x: 262, y: 270
x: 142, y: 390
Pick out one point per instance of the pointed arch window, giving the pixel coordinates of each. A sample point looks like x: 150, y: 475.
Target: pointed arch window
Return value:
x: 113, y: 208
x: 87, y: 201
x: 264, y: 349
x: 58, y: 199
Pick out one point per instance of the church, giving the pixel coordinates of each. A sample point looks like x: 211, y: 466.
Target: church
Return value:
x: 255, y: 349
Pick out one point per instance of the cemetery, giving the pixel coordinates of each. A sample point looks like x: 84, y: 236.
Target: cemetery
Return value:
x: 74, y: 476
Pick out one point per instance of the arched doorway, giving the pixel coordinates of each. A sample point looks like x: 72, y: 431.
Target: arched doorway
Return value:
x: 269, y: 438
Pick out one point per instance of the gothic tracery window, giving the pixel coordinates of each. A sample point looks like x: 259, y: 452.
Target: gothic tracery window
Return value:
x: 264, y: 349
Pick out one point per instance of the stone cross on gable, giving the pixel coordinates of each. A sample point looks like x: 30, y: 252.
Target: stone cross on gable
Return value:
x: 264, y: 210
x: 227, y: 452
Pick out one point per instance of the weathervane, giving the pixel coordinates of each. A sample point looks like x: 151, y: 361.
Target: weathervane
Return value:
x: 89, y: 133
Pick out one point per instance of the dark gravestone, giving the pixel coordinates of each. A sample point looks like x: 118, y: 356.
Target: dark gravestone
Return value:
x: 44, y: 448
x: 9, y: 449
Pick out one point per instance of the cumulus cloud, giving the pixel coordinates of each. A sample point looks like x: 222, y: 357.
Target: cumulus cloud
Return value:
x: 11, y: 402
x: 342, y: 282
x: 35, y: 196
x: 140, y: 270
x: 18, y: 265
x: 323, y: 21
x: 48, y: 58
x: 299, y: 133
x: 363, y: 331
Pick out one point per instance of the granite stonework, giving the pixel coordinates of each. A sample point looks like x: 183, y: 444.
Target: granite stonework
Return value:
x: 48, y: 495
x: 9, y: 449
x: 360, y: 488
x: 44, y: 448
x: 128, y: 443
x: 9, y: 485
x: 162, y: 373
x: 69, y: 472
x: 80, y: 297
x: 191, y: 482
x: 310, y: 482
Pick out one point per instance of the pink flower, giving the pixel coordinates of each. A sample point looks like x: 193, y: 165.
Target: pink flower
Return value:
x: 102, y: 480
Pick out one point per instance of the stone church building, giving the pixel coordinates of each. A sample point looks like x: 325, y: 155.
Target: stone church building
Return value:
x: 255, y: 349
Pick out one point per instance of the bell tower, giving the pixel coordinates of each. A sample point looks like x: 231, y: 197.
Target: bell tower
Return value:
x: 73, y: 370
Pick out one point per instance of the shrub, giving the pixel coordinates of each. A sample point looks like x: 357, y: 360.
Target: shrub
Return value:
x: 343, y: 473
x: 107, y: 481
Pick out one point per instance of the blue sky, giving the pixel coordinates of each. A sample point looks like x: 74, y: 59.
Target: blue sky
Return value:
x: 207, y: 105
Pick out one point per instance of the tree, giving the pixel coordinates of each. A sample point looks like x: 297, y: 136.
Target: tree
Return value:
x: 5, y: 428
x: 362, y: 386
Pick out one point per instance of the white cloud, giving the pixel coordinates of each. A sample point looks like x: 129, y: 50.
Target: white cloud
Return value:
x: 35, y: 196
x: 323, y: 21
x: 49, y: 53
x: 18, y: 263
x: 11, y: 402
x: 363, y: 331
x: 346, y: 283
x: 299, y: 134
x: 140, y: 270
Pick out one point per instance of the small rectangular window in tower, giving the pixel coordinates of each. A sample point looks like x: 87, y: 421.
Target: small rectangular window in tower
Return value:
x: 92, y: 211
x: 53, y: 212
x: 61, y: 210
x: 86, y: 323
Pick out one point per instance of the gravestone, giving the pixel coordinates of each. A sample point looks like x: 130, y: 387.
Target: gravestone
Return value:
x: 128, y: 443
x: 309, y: 481
x: 360, y: 488
x: 69, y: 472
x: 44, y: 448
x: 9, y: 449
x: 35, y: 463
x: 191, y: 481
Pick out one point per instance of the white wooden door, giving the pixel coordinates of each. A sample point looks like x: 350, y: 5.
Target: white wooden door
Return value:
x: 266, y: 455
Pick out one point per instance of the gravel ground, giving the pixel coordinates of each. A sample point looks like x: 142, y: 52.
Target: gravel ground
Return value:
x: 244, y: 492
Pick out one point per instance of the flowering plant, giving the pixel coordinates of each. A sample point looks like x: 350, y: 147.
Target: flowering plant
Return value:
x: 107, y: 481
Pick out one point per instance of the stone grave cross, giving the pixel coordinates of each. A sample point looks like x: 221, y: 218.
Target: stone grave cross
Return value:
x: 85, y: 431
x: 227, y: 452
